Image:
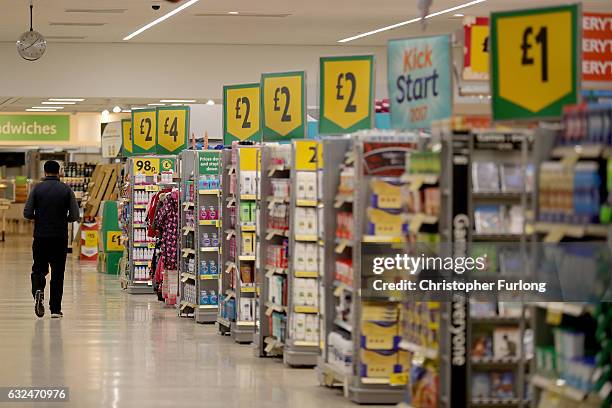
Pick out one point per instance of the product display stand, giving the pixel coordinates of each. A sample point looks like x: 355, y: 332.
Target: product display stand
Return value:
x: 494, y: 168
x: 144, y: 178
x: 273, y: 255
x: 362, y: 347
x: 201, y: 234
x: 302, y: 345
x: 425, y: 323
x: 572, y: 364
x: 227, y: 303
x: 247, y: 160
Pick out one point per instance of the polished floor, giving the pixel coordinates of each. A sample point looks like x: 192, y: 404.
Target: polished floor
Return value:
x: 113, y: 349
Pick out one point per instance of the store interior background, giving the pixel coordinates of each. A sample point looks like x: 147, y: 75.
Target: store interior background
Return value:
x: 189, y: 58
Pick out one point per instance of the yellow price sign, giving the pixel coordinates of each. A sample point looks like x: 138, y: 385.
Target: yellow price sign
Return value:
x: 126, y: 136
x: 283, y: 100
x: 534, y: 55
x: 398, y: 379
x: 306, y: 155
x: 144, y: 129
x: 91, y: 238
x: 113, y: 241
x: 249, y: 158
x: 241, y: 106
x: 146, y: 165
x: 347, y: 94
x: 172, y: 129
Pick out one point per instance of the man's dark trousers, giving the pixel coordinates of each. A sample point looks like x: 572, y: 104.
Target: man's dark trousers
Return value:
x: 50, y: 252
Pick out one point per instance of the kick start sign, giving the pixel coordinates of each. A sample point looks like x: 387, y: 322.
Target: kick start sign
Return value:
x: 597, y: 47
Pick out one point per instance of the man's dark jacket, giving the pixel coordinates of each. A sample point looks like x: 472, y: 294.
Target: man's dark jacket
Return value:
x: 51, y: 204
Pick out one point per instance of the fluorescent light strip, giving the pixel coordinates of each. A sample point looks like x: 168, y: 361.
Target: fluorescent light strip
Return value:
x: 58, y: 103
x: 48, y: 107
x: 162, y: 18
x: 41, y: 110
x: 178, y: 100
x: 157, y: 104
x: 414, y: 20
x: 66, y: 99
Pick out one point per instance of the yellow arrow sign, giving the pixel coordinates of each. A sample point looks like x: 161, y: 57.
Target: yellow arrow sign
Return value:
x: 283, y: 100
x: 534, y: 62
x: 126, y: 135
x: 144, y: 129
x: 347, y: 94
x: 306, y: 155
x: 172, y: 129
x: 241, y: 113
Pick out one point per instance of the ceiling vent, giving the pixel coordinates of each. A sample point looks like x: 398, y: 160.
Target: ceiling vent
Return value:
x: 64, y: 37
x: 244, y: 14
x: 96, y: 11
x: 76, y: 24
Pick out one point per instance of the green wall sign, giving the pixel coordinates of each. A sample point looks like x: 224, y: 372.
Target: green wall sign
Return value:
x: 209, y: 162
x: 35, y: 127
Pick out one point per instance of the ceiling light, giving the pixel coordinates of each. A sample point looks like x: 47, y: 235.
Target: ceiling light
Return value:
x: 105, y: 112
x: 41, y: 110
x: 117, y: 109
x: 458, y: 15
x: 48, y: 107
x: 414, y: 20
x: 233, y: 13
x: 67, y: 99
x: 210, y: 102
x: 57, y: 103
x: 176, y: 104
x: 157, y: 104
x: 126, y: 111
x: 160, y: 19
x: 178, y: 100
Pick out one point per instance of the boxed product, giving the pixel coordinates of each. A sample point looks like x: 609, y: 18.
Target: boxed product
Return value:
x: 485, y: 177
x: 300, y: 256
x: 481, y: 385
x: 247, y: 182
x: 383, y: 223
x: 482, y: 345
x: 247, y: 312
x: 306, y: 184
x: 311, y: 257
x: 245, y: 212
x: 506, y: 342
x: 502, y: 385
x: 248, y: 243
x: 246, y: 273
x: 378, y: 363
x: 385, y: 194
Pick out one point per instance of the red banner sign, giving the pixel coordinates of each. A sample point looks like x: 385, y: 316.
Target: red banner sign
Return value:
x: 597, y: 47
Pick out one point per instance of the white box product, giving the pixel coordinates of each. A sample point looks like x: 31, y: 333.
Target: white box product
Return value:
x: 246, y: 310
x: 299, y: 326
x: 301, y: 185
x: 299, y: 260
x: 311, y: 257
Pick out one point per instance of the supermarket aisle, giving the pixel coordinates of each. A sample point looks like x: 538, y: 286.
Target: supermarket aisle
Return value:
x: 118, y: 350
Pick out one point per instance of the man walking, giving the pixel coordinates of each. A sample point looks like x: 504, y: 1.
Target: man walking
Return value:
x: 51, y: 204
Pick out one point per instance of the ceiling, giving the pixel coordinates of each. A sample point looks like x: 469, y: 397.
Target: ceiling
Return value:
x: 88, y: 105
x: 312, y: 22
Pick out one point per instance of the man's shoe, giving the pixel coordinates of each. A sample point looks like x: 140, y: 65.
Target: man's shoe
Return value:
x: 39, y: 303
x: 58, y: 315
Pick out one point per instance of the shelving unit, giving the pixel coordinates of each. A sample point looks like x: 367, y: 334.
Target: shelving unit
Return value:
x: 493, y: 167
x: 227, y: 306
x: 273, y: 253
x: 302, y: 346
x: 201, y: 235
x: 144, y: 181
x: 245, y: 163
x: 353, y: 341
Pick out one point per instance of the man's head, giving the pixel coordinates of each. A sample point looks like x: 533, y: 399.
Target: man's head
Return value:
x: 52, y: 168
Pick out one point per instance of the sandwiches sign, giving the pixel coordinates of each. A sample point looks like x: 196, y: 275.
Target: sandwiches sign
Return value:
x: 35, y: 127
x: 420, y: 86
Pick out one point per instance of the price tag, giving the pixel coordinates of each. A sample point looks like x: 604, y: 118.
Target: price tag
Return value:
x: 554, y: 317
x: 241, y: 113
x: 146, y: 165
x: 397, y: 379
x: 476, y: 50
x: 535, y: 57
x: 347, y: 94
x: 126, y: 136
x: 91, y: 239
x: 172, y: 129
x: 306, y: 155
x: 284, y: 101
x: 144, y: 129
x: 113, y: 241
